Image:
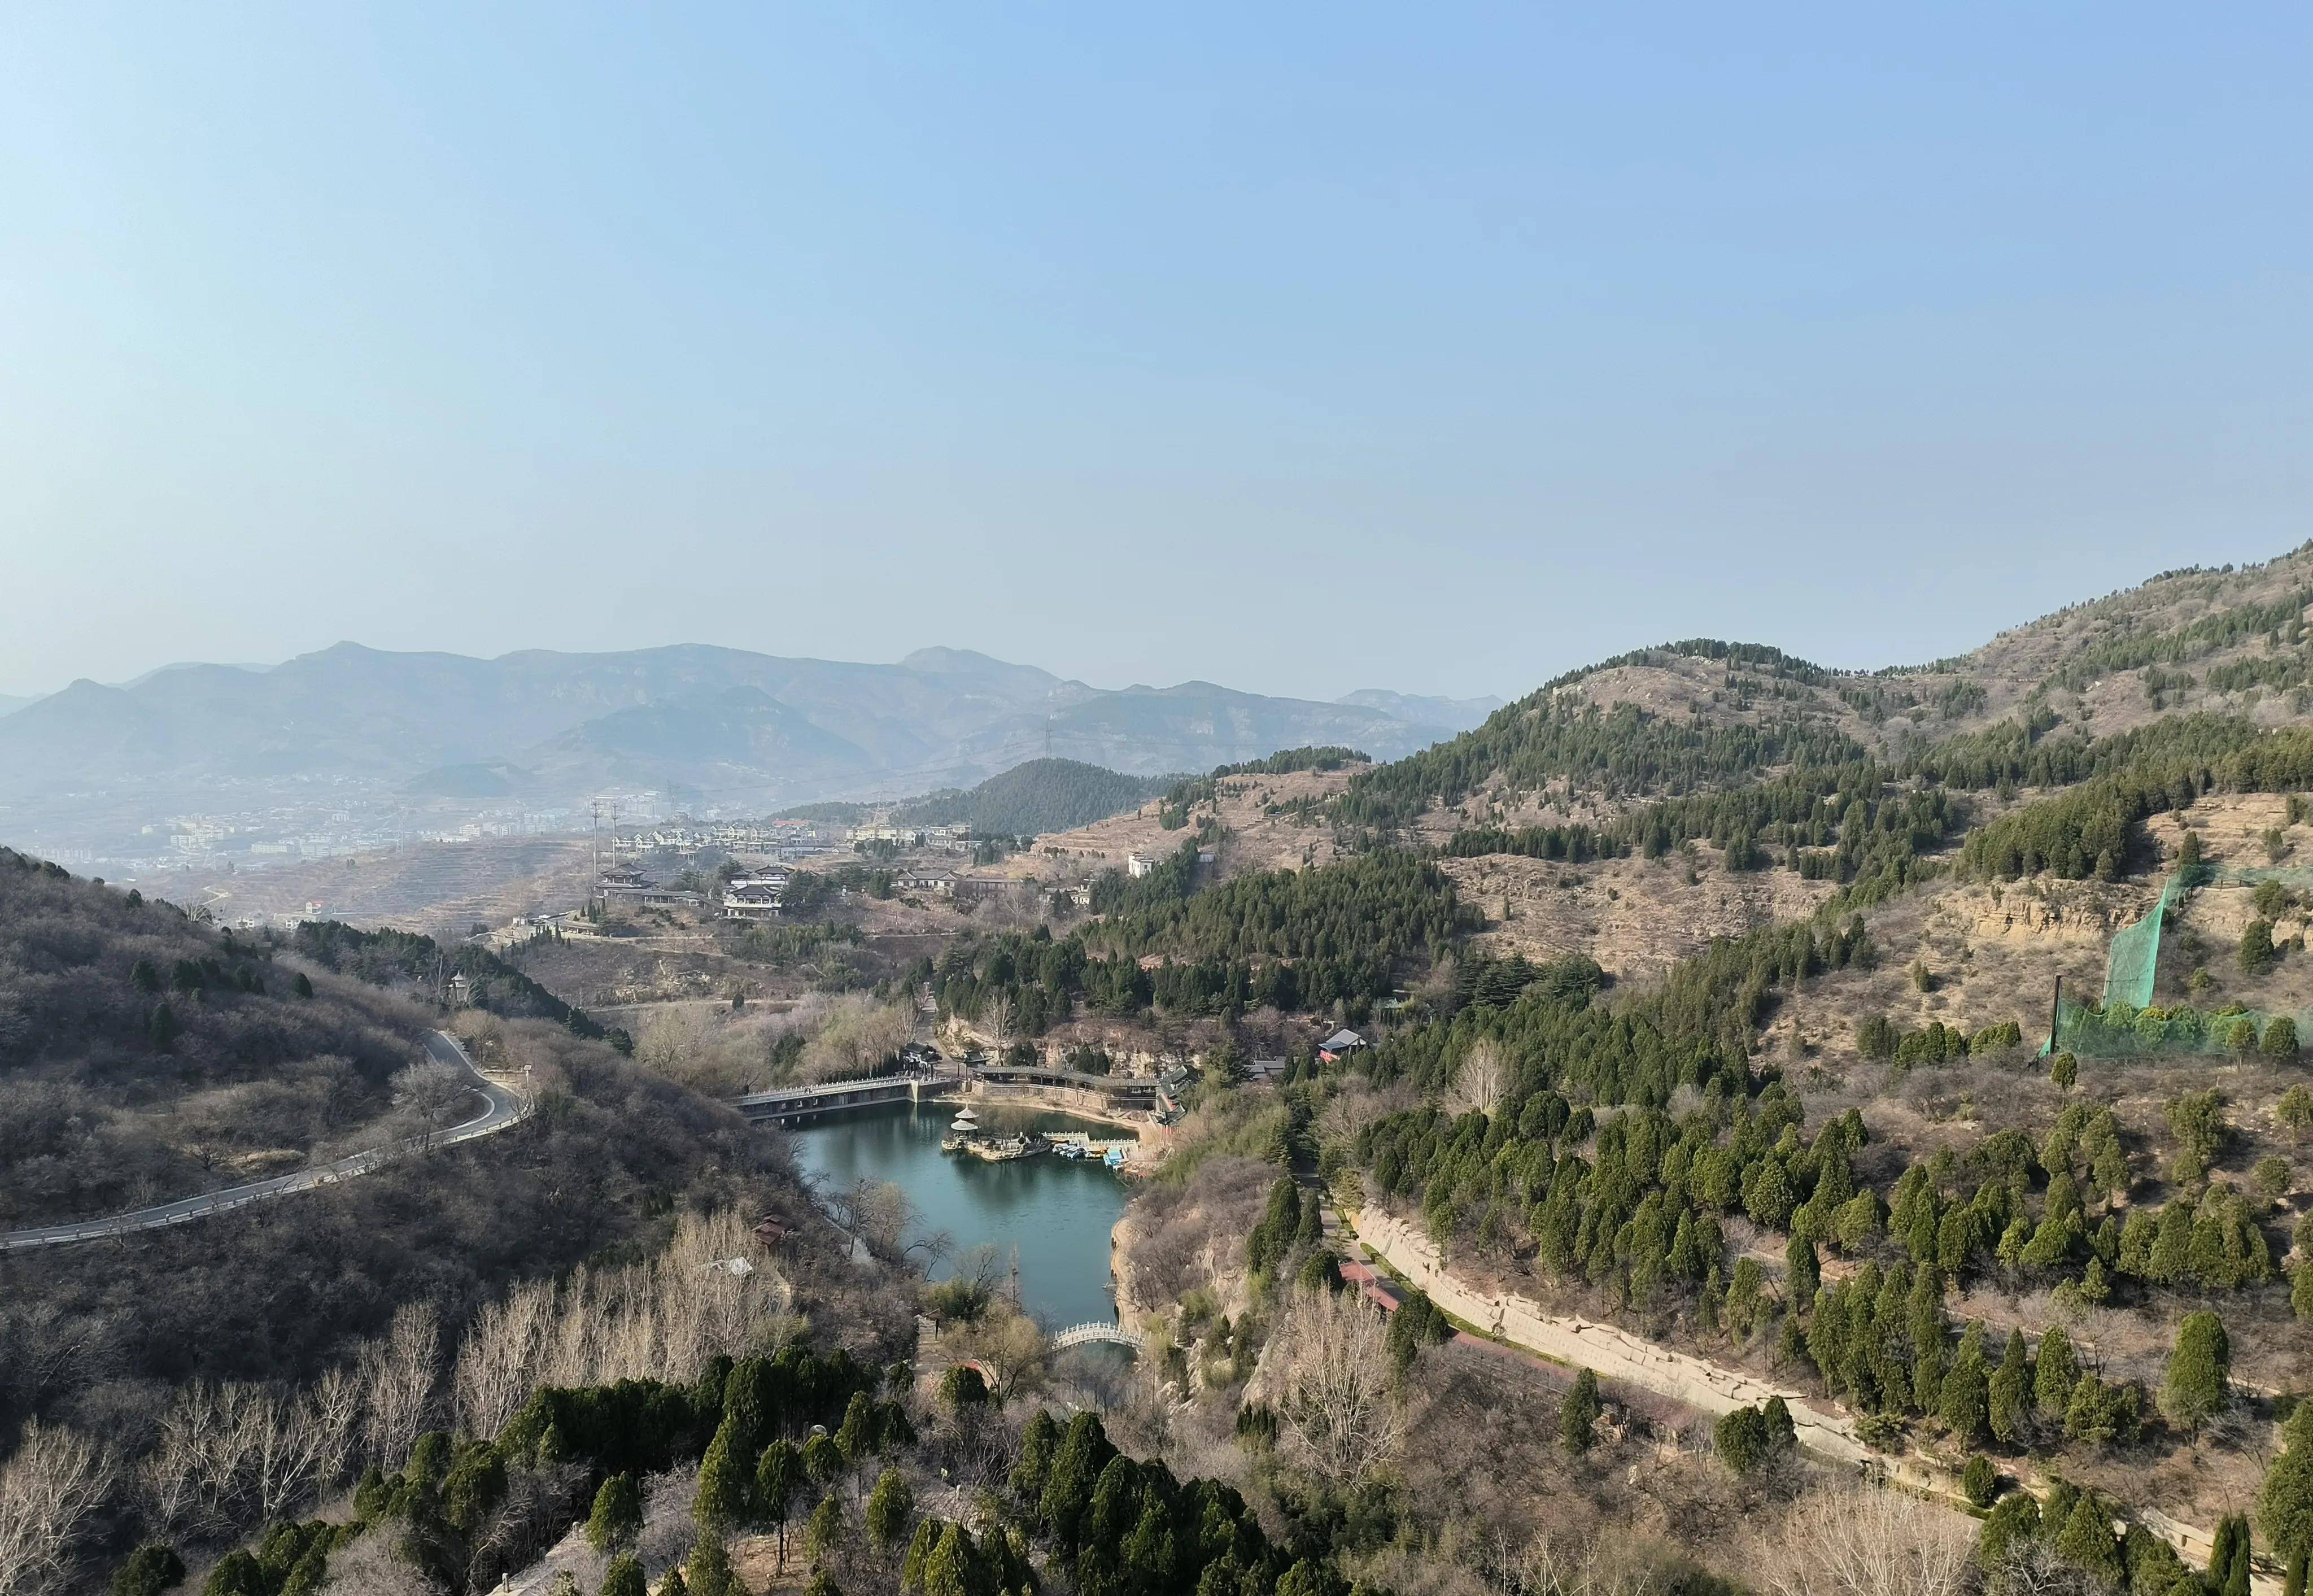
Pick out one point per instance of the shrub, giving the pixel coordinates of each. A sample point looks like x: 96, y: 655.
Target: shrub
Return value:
x: 149, y: 1571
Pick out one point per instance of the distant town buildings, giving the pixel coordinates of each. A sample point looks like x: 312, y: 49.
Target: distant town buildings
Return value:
x: 622, y: 885
x: 751, y: 902
x: 1136, y: 865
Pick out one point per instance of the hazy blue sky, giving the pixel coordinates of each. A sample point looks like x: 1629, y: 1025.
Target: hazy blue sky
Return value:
x: 1299, y: 348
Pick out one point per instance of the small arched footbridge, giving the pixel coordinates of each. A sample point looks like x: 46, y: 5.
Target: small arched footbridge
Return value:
x: 1085, y: 1334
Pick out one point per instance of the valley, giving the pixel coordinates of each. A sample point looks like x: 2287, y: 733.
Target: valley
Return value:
x: 1676, y: 1035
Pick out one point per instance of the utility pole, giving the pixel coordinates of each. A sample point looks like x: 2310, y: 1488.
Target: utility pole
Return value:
x: 2055, y: 1012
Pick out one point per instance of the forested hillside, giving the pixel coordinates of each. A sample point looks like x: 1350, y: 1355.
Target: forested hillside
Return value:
x: 1702, y: 715
x: 145, y: 1056
x: 1044, y: 795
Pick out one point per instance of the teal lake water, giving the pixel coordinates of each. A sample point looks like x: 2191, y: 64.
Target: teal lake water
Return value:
x: 1058, y: 1212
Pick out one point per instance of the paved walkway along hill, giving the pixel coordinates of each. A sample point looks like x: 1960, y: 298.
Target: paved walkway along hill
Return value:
x: 501, y: 1109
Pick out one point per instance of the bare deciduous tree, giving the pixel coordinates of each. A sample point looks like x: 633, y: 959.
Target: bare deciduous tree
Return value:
x: 198, y: 1470
x: 49, y: 1486
x: 284, y: 1448
x: 1549, y: 1567
x: 877, y: 1213
x: 334, y: 1410
x: 1482, y: 1079
x: 707, y: 1294
x: 2032, y: 1566
x: 430, y: 1095
x: 398, y: 1374
x: 1328, y: 1372
x: 499, y: 1358
x: 996, y: 1017
x: 1857, y: 1539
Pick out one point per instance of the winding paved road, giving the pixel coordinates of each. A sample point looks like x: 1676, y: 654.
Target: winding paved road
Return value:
x: 501, y: 1109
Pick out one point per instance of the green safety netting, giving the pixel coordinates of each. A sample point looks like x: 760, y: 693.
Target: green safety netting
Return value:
x: 2126, y: 1023
x: 2135, y: 957
x: 2125, y: 1030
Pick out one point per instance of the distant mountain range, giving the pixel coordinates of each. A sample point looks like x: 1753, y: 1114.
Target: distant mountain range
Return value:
x: 733, y: 727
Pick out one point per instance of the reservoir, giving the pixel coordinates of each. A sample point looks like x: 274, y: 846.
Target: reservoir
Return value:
x: 1058, y: 1212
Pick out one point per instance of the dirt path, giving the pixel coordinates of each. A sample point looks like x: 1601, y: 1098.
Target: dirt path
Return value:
x: 1615, y: 1354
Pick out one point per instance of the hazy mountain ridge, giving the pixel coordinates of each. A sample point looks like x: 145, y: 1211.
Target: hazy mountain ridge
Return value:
x: 1454, y: 714
x: 554, y: 726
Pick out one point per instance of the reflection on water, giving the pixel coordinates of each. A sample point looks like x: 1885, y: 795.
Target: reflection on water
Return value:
x: 1058, y: 1212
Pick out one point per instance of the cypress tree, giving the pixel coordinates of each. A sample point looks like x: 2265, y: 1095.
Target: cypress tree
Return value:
x: 857, y: 1435
x: 778, y: 1475
x: 2085, y: 1542
x: 823, y: 1532
x: 2011, y: 1392
x: 2016, y: 1517
x: 1964, y: 1404
x: 1085, y: 1452
x: 1980, y: 1481
x: 618, y: 1515
x: 723, y: 1484
x: 949, y: 1570
x: 823, y: 1461
x: 2058, y: 1371
x: 1038, y: 1442
x: 2199, y: 1372
x: 1579, y: 1413
x: 624, y: 1576
x: 1929, y: 1356
x: 890, y: 1506
x: 1802, y: 1271
x: 709, y: 1571
x: 2228, y: 1561
x: 919, y: 1550
x: 2285, y: 1503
